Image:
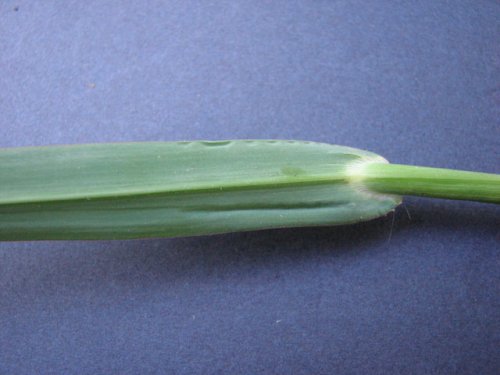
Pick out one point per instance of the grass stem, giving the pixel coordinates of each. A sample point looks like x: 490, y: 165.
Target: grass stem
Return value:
x: 432, y: 182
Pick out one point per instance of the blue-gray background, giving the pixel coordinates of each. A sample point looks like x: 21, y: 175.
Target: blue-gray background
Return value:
x: 417, y: 82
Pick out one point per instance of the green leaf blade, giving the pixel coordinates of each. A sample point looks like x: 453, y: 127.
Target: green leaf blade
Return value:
x: 137, y: 190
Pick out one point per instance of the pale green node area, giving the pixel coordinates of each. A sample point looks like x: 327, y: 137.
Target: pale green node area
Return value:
x: 119, y: 191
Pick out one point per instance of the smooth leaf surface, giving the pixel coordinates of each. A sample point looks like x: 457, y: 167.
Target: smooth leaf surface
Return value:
x: 165, y: 189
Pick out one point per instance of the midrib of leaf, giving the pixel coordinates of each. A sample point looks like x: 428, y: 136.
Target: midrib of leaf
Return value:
x: 246, y: 185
